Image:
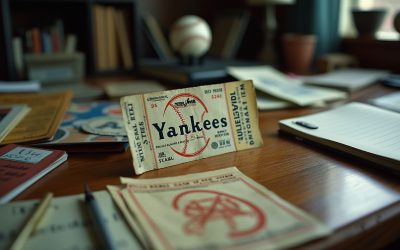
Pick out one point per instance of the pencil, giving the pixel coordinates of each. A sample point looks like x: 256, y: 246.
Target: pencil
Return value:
x: 33, y: 222
x: 97, y: 219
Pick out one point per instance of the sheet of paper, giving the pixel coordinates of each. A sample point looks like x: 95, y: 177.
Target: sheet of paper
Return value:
x: 131, y: 219
x: 347, y: 79
x: 268, y: 102
x: 10, y: 116
x: 41, y: 123
x: 66, y: 225
x: 19, y: 86
x: 78, y: 113
x: 216, y: 210
x: 177, y: 126
x: 357, y: 125
x: 273, y: 82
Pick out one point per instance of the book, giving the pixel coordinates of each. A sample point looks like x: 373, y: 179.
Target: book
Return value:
x: 123, y: 41
x: 228, y: 32
x: 71, y: 44
x: 100, y: 36
x: 18, y: 52
x: 41, y: 123
x: 112, y: 52
x: 157, y: 38
x: 211, y: 70
x: 10, y: 116
x: 358, y: 129
x: 21, y: 166
x: 133, y: 87
x: 350, y: 80
x: 72, y: 138
x: 36, y: 41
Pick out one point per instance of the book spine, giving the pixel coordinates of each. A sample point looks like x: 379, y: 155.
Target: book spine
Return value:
x: 70, y: 43
x: 111, y: 38
x: 100, y: 37
x: 123, y: 40
x: 36, y: 41
x: 18, y: 56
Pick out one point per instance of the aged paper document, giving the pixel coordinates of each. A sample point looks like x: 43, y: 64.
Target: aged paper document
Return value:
x: 41, y: 123
x: 177, y: 126
x: 222, y: 209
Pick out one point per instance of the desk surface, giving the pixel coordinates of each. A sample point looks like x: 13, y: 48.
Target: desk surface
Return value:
x: 360, y: 202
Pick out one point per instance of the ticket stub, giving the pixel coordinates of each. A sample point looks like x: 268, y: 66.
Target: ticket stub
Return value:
x: 172, y: 127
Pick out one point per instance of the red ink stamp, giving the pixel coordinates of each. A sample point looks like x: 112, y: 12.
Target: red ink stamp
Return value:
x: 205, y: 207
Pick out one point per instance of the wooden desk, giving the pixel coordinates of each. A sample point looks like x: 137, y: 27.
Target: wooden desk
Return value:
x: 361, y: 203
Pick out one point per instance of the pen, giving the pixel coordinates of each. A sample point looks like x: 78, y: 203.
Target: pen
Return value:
x: 33, y: 222
x: 306, y: 124
x: 97, y: 219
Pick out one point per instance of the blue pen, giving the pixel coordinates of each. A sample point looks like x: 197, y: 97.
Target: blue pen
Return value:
x: 97, y: 219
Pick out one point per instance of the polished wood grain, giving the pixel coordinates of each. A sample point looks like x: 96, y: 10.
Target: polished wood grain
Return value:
x: 359, y: 201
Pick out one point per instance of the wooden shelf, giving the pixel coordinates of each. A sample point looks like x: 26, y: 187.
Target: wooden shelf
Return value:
x: 371, y: 53
x: 18, y: 16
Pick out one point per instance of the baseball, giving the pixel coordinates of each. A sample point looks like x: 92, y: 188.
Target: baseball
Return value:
x: 190, y: 36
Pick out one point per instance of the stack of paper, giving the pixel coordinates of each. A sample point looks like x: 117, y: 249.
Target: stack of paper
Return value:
x: 41, y: 123
x: 268, y: 80
x: 212, y: 210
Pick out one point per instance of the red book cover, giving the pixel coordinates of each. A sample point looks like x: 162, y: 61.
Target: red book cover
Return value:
x: 21, y: 166
x: 36, y: 39
x: 55, y: 41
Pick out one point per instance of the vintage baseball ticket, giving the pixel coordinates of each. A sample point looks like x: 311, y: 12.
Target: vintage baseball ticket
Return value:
x: 171, y: 127
x: 222, y: 209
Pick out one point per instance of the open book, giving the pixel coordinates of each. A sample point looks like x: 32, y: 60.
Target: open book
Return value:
x: 358, y: 129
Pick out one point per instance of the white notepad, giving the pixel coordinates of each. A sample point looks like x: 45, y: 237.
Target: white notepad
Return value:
x: 359, y: 129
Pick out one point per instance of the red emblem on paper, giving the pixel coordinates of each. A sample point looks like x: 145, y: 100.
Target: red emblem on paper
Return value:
x: 197, y: 110
x: 205, y: 207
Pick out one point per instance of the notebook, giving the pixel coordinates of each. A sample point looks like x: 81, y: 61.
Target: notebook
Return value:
x: 358, y: 129
x: 21, y: 166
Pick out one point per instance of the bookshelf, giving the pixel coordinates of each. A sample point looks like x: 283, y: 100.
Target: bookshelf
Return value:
x: 78, y: 18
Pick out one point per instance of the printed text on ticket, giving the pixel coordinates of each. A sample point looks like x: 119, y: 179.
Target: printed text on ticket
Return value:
x: 177, y: 126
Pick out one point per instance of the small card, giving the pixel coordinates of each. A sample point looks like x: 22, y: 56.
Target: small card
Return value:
x: 172, y: 127
x: 25, y: 155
